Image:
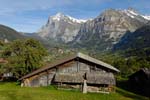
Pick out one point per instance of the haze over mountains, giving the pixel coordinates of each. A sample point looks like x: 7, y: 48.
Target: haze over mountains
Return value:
x: 101, y: 33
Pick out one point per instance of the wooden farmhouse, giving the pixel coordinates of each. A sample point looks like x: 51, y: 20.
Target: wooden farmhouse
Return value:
x: 78, y: 71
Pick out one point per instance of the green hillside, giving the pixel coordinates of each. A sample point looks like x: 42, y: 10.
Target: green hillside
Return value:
x: 9, y: 33
x: 134, y: 50
x: 139, y: 39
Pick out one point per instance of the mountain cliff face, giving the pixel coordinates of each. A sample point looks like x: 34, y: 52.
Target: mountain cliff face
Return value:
x: 106, y: 30
x: 100, y: 33
x: 61, y: 28
x: 140, y: 39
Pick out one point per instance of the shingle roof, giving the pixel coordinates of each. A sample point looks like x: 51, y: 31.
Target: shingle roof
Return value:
x: 67, y: 59
x: 88, y: 58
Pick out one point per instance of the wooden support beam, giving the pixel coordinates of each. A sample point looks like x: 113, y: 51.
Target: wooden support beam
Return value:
x: 77, y: 64
x: 47, y: 77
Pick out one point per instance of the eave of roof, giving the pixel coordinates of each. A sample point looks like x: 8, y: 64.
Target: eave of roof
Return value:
x: 91, y: 59
x: 79, y: 55
x: 49, y: 66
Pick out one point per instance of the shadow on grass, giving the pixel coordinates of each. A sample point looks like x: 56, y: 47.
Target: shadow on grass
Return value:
x: 131, y: 95
x: 125, y: 89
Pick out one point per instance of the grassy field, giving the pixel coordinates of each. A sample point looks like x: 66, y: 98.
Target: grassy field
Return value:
x: 12, y: 91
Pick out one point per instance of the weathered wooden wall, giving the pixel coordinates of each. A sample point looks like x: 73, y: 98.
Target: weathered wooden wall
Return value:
x: 75, y: 69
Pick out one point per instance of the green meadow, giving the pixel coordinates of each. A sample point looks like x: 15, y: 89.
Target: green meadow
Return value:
x: 13, y: 91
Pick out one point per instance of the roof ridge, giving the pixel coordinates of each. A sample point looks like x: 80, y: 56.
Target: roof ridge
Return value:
x: 70, y: 57
x: 87, y: 57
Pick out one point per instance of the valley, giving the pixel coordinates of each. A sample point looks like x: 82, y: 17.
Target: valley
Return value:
x: 118, y: 37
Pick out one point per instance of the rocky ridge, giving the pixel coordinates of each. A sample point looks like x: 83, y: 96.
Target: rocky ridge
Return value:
x: 61, y: 28
x: 100, y: 33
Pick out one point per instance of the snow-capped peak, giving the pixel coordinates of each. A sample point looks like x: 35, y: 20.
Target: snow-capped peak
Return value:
x: 131, y: 13
x: 59, y: 16
x: 146, y: 17
x: 76, y: 20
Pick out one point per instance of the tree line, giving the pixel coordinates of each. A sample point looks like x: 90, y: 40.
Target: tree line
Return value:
x: 23, y: 56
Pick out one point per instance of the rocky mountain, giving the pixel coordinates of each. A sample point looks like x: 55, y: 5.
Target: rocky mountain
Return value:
x: 9, y: 34
x: 107, y: 29
x: 60, y: 28
x: 100, y: 33
x: 140, y: 39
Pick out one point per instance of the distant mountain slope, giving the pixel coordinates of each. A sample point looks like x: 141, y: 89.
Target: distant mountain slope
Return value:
x: 9, y: 33
x: 106, y: 30
x: 139, y: 39
x: 46, y: 42
x: 134, y: 47
x: 100, y: 33
x: 60, y: 28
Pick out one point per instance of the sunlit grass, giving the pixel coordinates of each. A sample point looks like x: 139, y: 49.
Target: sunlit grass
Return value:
x: 12, y: 91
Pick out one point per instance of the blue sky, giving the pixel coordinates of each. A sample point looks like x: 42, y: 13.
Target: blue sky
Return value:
x: 30, y: 15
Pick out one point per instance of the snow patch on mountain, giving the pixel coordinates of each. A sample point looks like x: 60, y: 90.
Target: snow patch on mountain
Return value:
x: 60, y: 16
x: 131, y: 13
x: 146, y: 17
x: 134, y: 14
x: 76, y: 20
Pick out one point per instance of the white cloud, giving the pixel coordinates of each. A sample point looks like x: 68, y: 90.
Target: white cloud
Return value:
x: 9, y: 6
x: 14, y: 6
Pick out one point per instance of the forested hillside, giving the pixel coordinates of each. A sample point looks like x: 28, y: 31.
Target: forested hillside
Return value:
x: 7, y: 33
